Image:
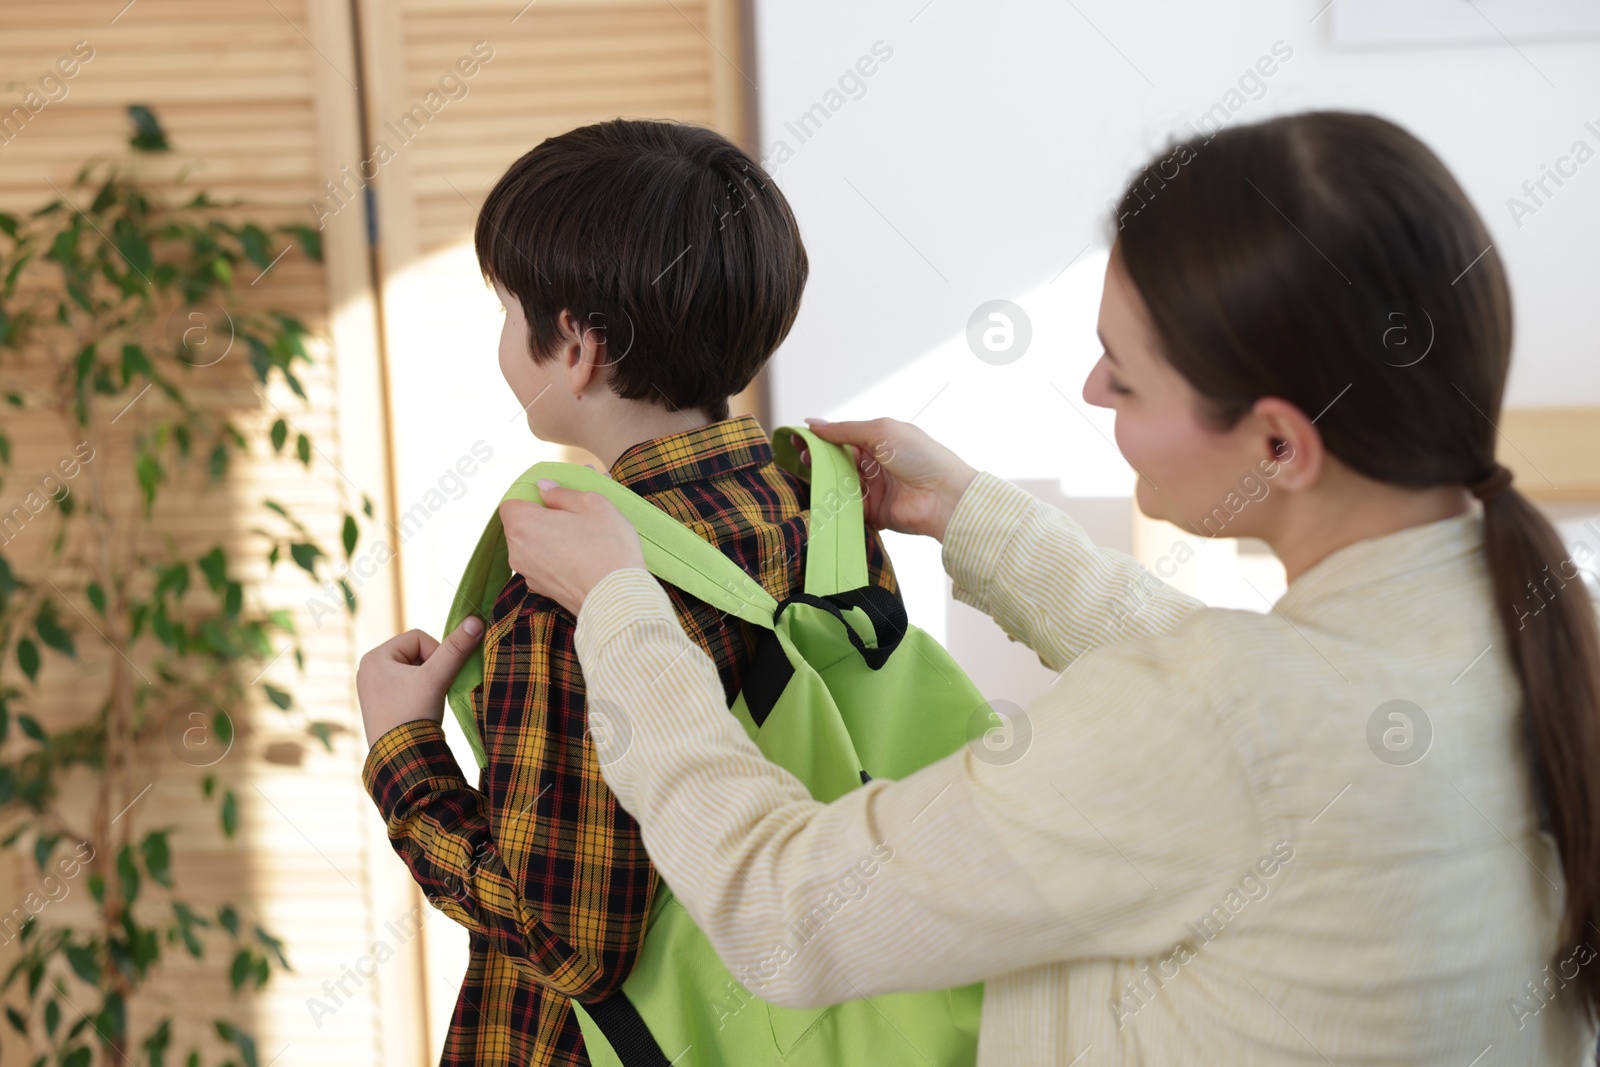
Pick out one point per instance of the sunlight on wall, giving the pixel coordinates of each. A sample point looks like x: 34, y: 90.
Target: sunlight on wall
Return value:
x: 1027, y: 421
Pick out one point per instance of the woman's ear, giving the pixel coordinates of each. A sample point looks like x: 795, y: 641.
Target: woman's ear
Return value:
x: 1291, y: 449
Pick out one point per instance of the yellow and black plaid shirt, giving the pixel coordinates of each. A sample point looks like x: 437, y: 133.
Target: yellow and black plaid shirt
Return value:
x: 539, y: 863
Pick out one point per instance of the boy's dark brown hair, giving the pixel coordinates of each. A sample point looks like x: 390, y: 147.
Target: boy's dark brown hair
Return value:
x: 666, y: 236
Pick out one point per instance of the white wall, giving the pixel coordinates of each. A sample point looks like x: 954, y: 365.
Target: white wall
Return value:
x: 977, y: 160
x: 993, y: 137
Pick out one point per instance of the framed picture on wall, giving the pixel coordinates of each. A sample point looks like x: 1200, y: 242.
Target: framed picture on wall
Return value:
x: 1393, y: 23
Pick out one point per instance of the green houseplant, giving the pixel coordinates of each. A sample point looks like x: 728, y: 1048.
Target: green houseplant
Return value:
x: 114, y: 298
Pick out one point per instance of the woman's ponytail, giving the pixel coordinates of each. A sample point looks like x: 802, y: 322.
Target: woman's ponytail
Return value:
x: 1554, y: 641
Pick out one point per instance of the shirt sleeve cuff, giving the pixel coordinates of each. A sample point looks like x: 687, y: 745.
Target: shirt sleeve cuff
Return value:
x: 986, y: 517
x: 621, y: 599
x: 412, y: 756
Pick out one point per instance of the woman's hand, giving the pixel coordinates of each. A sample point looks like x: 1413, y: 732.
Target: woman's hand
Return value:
x: 564, y: 548
x: 912, y: 482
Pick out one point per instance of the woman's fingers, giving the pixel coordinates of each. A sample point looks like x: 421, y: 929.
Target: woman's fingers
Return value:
x: 866, y: 433
x: 553, y: 495
x: 517, y: 512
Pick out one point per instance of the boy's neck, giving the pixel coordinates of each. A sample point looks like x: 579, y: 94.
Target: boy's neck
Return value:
x: 617, y: 425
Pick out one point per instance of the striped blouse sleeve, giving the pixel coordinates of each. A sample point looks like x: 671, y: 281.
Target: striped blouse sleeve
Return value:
x: 1037, y: 573
x: 1127, y: 814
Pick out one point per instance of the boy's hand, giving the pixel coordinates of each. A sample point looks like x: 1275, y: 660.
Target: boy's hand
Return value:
x: 406, y: 678
x: 564, y: 548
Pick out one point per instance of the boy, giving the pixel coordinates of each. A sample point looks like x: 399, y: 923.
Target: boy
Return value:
x: 648, y: 270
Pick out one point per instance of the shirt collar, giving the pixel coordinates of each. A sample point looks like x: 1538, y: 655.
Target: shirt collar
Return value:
x: 692, y: 455
x: 1415, y: 550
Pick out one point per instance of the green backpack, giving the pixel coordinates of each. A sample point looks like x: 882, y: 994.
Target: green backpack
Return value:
x: 841, y: 690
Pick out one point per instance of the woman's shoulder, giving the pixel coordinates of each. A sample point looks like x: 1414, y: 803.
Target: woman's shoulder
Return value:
x: 1210, y: 651
x: 1188, y: 683
x: 1221, y: 680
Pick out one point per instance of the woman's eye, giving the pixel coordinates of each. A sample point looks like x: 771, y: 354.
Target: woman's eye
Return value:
x: 500, y: 308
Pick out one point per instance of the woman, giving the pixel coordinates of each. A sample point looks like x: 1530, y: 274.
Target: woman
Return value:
x: 1364, y: 827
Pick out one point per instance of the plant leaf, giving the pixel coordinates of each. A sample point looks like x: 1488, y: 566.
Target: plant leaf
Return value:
x: 149, y: 472
x: 133, y: 247
x: 254, y: 241
x: 275, y: 945
x: 310, y: 240
x: 158, y: 857
x: 155, y: 1046
x: 52, y: 633
x: 85, y: 963
x: 239, y: 972
x: 239, y: 1039
x: 305, y: 554
x: 187, y: 921
x: 83, y: 365
x: 148, y: 136
x: 214, y: 565
x: 174, y: 578
x: 43, y: 845
x: 28, y: 658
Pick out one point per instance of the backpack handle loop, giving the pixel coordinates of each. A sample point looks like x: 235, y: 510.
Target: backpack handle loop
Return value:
x: 887, y: 612
x: 836, y: 545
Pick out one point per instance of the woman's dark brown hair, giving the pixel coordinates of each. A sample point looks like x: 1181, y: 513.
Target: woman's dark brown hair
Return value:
x: 1331, y: 258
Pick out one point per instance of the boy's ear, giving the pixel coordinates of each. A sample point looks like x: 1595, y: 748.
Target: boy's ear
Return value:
x: 582, y: 353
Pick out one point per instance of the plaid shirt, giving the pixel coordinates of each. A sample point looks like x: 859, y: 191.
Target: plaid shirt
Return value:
x: 539, y: 863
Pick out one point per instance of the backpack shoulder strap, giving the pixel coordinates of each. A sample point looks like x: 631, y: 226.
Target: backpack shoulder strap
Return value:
x: 836, y: 548
x: 672, y: 552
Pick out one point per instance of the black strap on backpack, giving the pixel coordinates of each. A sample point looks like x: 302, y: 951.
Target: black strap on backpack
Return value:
x: 887, y: 612
x: 625, y: 1030
x: 770, y: 669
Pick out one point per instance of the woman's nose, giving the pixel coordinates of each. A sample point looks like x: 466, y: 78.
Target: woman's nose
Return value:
x: 1095, y: 390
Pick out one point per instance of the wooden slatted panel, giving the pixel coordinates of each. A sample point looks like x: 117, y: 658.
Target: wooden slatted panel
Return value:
x: 235, y: 84
x: 557, y: 66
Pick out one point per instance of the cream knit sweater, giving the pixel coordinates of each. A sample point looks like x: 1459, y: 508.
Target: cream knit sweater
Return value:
x: 1219, y: 847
